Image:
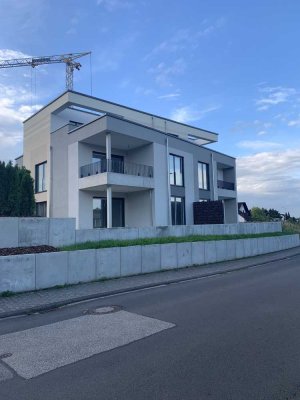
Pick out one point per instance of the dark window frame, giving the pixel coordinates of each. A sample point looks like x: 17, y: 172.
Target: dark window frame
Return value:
x: 41, y: 204
x: 37, y: 178
x: 181, y: 168
x: 114, y: 198
x: 201, y: 163
x: 174, y: 221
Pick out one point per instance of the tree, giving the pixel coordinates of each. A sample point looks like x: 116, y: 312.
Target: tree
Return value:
x: 27, y: 203
x: 259, y: 214
x: 16, y: 191
x: 274, y: 214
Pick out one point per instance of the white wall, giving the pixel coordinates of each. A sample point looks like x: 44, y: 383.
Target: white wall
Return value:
x: 161, y: 194
x: 138, y: 209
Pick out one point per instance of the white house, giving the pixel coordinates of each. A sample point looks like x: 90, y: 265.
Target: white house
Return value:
x: 109, y: 165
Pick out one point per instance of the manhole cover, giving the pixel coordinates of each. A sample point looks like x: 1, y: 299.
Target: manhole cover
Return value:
x: 103, y: 310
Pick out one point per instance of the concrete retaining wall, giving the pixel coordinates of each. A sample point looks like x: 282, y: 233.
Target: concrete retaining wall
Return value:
x: 38, y: 271
x: 17, y: 232
x: 85, y: 235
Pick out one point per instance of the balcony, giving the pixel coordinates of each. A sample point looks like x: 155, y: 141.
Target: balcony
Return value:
x: 116, y: 166
x: 225, y: 185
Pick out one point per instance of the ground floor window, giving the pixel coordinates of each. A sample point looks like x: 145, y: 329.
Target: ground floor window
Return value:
x: 41, y: 209
x: 178, y: 210
x: 100, y: 212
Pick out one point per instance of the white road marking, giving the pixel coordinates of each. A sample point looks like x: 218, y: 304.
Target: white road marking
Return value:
x: 42, y: 349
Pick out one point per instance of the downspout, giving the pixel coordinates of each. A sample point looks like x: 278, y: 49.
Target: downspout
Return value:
x: 169, y: 188
x: 213, y: 176
x: 50, y: 211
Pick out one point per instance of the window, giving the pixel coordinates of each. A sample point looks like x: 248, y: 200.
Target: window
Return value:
x: 178, y: 210
x: 100, y: 212
x: 203, y: 177
x: 40, y: 177
x: 116, y: 163
x: 176, y: 170
x: 41, y: 209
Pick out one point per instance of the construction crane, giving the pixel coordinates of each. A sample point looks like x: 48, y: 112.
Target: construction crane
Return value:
x: 68, y: 59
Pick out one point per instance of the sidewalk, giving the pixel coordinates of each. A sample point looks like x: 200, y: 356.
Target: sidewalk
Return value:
x: 26, y: 303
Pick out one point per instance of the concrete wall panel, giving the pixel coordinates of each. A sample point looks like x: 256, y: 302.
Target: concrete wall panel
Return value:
x: 131, y: 260
x: 168, y: 256
x: 51, y: 269
x: 210, y: 252
x: 61, y: 231
x: 198, y: 253
x: 17, y: 273
x: 151, y: 258
x: 221, y: 250
x: 9, y: 232
x: 108, y: 263
x: 81, y: 266
x: 184, y: 254
x: 33, y: 231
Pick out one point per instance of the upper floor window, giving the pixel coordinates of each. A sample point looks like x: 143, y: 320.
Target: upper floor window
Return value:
x: 203, y: 177
x: 40, y: 177
x: 176, y: 170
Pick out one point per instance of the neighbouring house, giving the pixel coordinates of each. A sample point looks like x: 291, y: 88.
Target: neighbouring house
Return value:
x: 244, y: 214
x: 110, y: 165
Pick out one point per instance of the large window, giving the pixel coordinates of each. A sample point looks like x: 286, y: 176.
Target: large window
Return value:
x: 176, y: 170
x: 178, y: 210
x: 116, y: 163
x: 203, y: 177
x: 100, y: 212
x: 40, y: 177
x: 41, y: 209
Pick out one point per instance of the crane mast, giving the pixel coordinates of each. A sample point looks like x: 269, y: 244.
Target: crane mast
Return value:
x: 68, y: 59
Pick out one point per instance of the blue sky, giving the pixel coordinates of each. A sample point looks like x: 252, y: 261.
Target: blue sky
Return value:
x: 231, y: 67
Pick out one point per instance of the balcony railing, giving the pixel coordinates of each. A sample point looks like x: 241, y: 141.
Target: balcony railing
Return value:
x: 225, y: 185
x: 117, y: 166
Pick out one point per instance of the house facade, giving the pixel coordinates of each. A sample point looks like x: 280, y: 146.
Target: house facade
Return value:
x: 108, y: 165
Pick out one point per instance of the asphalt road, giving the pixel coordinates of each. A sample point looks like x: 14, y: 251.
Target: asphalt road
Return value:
x: 234, y: 336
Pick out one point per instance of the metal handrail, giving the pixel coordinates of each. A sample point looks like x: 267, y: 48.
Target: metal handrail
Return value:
x: 116, y: 166
x: 225, y: 185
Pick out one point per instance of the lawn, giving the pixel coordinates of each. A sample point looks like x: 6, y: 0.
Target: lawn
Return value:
x: 163, y: 240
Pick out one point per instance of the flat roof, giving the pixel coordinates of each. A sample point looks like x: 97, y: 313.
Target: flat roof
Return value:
x: 164, y: 124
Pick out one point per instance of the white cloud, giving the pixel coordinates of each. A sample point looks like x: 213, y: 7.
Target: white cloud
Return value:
x: 189, y: 114
x: 271, y: 180
x: 261, y: 133
x: 258, y: 144
x: 8, y: 54
x: 273, y: 96
x: 165, y: 73
x: 169, y: 96
x: 114, y: 5
x: 14, y: 109
x: 295, y: 122
x: 143, y: 91
x: 185, y: 38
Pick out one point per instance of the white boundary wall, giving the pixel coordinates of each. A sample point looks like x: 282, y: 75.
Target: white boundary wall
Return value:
x: 17, y: 232
x: 39, y: 271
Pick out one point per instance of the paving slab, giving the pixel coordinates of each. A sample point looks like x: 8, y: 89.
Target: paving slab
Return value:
x: 42, y: 349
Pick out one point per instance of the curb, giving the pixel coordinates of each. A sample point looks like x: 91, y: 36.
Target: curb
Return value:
x: 95, y: 296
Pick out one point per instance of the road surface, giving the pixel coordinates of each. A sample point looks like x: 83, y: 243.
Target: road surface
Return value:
x: 229, y: 337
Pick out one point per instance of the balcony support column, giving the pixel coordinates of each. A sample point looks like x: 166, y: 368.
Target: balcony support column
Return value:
x: 109, y: 207
x: 108, y: 150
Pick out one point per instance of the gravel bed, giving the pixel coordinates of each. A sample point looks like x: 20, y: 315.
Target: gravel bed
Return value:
x: 13, y: 251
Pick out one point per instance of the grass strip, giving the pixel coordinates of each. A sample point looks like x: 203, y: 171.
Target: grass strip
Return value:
x: 164, y: 240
